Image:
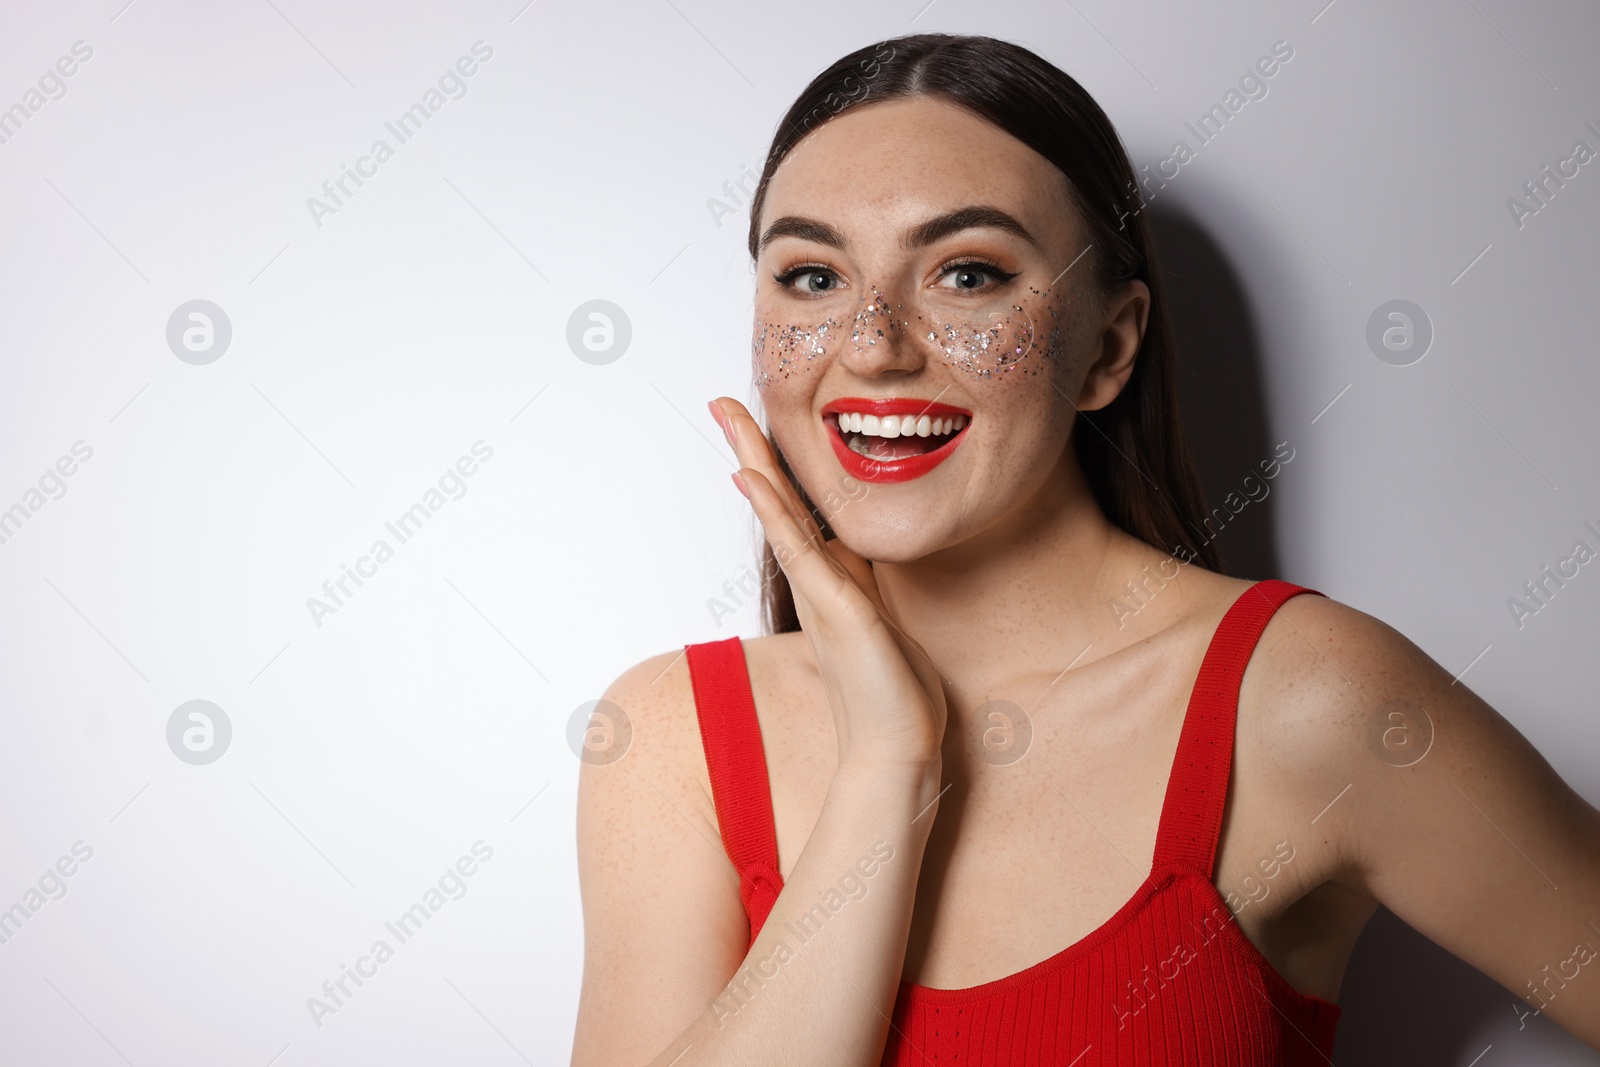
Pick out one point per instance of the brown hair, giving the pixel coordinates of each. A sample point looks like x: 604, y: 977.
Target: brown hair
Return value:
x: 1134, y: 458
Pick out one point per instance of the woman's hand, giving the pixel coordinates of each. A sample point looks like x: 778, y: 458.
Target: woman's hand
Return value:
x: 887, y: 698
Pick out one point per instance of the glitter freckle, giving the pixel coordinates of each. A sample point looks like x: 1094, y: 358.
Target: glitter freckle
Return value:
x: 976, y: 350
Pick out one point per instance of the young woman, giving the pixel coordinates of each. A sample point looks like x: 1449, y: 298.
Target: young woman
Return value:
x: 1020, y: 776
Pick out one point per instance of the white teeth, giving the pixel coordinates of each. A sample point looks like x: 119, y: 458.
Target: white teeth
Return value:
x: 899, y: 425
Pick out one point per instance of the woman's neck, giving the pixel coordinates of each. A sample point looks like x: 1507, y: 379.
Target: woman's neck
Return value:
x: 1028, y: 594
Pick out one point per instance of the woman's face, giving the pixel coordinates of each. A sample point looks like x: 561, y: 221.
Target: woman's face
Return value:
x: 925, y: 323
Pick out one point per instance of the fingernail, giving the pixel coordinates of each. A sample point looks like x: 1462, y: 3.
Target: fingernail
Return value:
x: 738, y: 483
x: 722, y: 421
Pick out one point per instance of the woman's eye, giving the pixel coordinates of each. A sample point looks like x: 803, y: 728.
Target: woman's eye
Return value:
x: 810, y: 280
x: 969, y: 276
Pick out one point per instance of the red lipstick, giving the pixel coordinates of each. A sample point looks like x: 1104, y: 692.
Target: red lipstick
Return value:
x: 902, y: 468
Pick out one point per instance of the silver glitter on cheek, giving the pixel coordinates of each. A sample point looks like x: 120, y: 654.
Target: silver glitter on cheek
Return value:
x: 981, y: 348
x: 1000, y: 342
x: 784, y: 349
x: 781, y: 349
x: 986, y: 347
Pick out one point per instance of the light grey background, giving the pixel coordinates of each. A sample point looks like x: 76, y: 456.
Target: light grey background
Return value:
x: 431, y: 311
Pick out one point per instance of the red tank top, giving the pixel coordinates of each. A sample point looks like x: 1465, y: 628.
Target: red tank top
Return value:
x: 1169, y: 979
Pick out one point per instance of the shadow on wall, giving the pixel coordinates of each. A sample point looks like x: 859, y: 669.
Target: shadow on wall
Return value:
x: 1221, y: 393
x: 1404, y: 999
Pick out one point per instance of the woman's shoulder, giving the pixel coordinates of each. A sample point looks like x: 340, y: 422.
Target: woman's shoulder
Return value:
x: 1319, y: 680
x: 1334, y: 690
x: 1331, y: 652
x: 655, y: 698
x: 654, y: 686
x: 646, y: 733
x: 1313, y: 639
x: 663, y: 682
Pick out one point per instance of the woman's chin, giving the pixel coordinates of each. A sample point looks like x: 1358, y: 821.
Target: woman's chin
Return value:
x: 886, y: 540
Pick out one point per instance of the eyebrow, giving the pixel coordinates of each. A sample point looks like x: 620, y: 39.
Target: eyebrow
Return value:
x: 925, y: 233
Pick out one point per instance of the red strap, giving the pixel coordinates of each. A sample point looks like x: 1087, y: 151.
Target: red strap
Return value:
x: 737, y: 763
x: 1191, y: 815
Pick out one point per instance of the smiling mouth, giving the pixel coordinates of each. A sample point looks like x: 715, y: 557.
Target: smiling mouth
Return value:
x: 893, y: 439
x: 886, y: 438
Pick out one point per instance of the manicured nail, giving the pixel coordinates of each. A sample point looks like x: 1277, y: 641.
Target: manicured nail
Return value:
x: 739, y: 484
x: 722, y: 421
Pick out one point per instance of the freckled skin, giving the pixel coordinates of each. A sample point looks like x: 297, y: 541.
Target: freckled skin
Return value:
x: 979, y: 348
x: 895, y: 322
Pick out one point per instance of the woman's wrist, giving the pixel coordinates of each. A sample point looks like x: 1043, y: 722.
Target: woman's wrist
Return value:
x: 912, y: 786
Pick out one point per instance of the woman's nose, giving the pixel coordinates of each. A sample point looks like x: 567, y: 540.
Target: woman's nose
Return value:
x: 880, y: 338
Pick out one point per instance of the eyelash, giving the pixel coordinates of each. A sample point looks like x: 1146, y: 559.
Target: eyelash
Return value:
x: 1000, y: 277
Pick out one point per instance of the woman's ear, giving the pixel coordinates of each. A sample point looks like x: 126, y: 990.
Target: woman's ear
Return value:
x: 1127, y: 312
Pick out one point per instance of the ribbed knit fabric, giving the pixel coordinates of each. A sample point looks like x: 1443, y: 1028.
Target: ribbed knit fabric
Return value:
x: 737, y: 763
x: 1168, y: 979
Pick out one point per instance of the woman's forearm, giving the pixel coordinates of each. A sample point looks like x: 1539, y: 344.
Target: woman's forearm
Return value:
x: 819, y: 983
